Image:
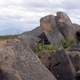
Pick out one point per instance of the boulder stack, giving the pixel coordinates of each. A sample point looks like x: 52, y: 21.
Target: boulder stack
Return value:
x: 56, y: 28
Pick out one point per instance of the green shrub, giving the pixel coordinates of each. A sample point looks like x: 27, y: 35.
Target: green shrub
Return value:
x: 64, y: 44
x: 43, y: 48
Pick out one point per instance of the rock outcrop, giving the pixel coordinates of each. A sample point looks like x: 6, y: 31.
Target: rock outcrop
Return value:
x: 61, y: 66
x: 18, y: 62
x: 66, y: 27
x: 56, y: 29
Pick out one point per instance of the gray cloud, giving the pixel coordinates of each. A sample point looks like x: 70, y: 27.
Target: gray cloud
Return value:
x: 25, y: 14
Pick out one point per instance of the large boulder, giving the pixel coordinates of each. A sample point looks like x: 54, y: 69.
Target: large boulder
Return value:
x: 48, y: 23
x: 48, y: 26
x: 18, y: 62
x: 66, y: 27
x: 61, y: 66
x: 75, y: 58
x: 74, y: 54
x: 62, y: 18
x: 55, y: 28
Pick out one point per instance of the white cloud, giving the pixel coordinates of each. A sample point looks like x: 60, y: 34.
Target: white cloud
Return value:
x: 25, y: 14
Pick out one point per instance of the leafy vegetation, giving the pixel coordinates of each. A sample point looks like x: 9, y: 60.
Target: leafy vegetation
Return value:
x: 43, y: 48
x: 65, y: 44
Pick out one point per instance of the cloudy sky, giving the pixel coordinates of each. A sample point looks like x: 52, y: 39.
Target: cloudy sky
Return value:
x: 17, y: 16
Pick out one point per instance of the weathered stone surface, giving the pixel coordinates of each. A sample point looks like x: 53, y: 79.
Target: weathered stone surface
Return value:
x: 78, y: 75
x: 55, y: 37
x: 75, y: 58
x: 48, y: 23
x: 74, y: 54
x: 66, y: 27
x: 56, y: 28
x: 48, y: 26
x: 31, y: 36
x: 64, y: 24
x: 62, y: 67
x: 63, y: 18
x: 18, y: 62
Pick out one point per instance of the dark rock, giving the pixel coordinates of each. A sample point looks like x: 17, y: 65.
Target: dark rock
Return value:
x: 62, y: 67
x: 43, y: 38
x: 74, y: 54
x: 45, y: 58
x: 77, y: 34
x: 78, y: 75
x: 18, y: 62
x: 75, y: 58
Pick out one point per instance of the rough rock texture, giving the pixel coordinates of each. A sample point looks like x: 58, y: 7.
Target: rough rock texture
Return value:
x: 62, y: 67
x: 31, y: 36
x: 74, y: 54
x: 18, y: 62
x: 75, y: 58
x: 78, y: 75
x: 56, y: 28
x: 48, y: 23
x: 63, y: 18
x: 66, y: 27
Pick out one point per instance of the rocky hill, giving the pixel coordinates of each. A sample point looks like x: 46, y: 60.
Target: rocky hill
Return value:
x: 55, y: 28
x: 57, y: 32
x: 49, y: 52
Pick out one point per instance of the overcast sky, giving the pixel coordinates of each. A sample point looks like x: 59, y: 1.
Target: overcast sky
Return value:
x: 23, y: 15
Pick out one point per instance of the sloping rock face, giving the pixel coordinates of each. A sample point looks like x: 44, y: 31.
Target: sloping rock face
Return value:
x: 31, y: 36
x: 18, y: 62
x: 61, y: 66
x: 74, y: 54
x: 56, y: 28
